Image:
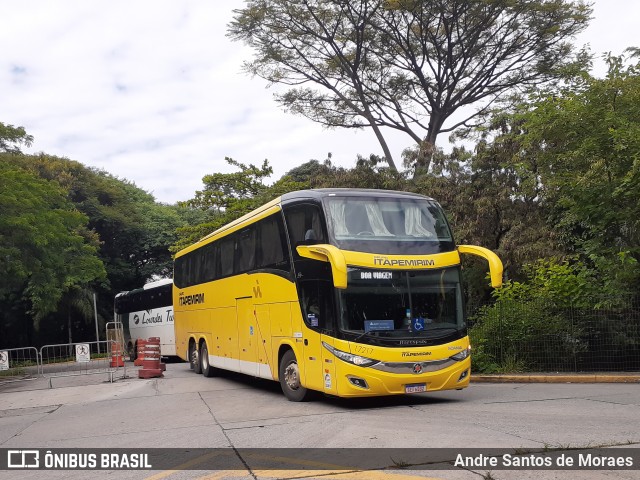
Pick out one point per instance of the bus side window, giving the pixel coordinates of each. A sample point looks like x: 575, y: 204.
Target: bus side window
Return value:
x: 178, y: 272
x: 316, y: 303
x: 245, y: 250
x: 272, y: 244
x: 304, y: 223
x: 226, y: 256
x: 210, y: 262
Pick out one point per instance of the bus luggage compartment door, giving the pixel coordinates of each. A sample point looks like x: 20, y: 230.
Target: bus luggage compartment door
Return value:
x: 247, y: 336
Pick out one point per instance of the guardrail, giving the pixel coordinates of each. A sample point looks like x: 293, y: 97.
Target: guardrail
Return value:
x: 17, y: 364
x: 86, y: 358
x: 115, y: 332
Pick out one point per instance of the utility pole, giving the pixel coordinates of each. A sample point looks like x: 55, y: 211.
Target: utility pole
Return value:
x: 95, y: 311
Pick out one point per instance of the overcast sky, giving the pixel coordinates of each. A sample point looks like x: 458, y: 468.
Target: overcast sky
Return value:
x: 151, y: 90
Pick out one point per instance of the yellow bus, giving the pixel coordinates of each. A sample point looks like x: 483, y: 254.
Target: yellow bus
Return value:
x: 348, y: 292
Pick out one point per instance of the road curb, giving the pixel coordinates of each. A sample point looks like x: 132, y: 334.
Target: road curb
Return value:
x: 558, y: 378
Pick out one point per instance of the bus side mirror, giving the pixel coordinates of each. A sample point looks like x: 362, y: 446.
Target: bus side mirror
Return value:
x: 331, y: 254
x: 495, y: 264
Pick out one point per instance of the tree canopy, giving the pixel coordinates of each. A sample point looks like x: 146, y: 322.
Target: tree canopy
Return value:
x: 45, y: 247
x: 552, y: 184
x: 68, y: 231
x: 227, y: 196
x: 408, y: 65
x: 577, y: 151
x: 11, y: 137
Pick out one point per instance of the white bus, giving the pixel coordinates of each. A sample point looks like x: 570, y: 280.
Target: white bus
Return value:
x: 147, y: 312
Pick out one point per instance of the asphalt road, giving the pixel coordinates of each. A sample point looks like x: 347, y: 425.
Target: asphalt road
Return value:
x: 185, y: 410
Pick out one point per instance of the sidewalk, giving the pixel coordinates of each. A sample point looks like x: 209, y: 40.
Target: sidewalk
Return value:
x: 557, y: 378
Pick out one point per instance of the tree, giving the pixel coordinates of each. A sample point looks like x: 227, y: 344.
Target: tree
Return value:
x: 135, y: 232
x: 368, y: 172
x: 130, y: 232
x: 583, y: 144
x: 224, y: 191
x: 408, y: 65
x: 310, y: 170
x: 45, y: 247
x: 495, y: 202
x: 227, y: 196
x: 11, y: 137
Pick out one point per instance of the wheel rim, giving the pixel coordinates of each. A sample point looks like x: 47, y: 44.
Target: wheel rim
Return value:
x: 292, y: 376
x: 194, y: 356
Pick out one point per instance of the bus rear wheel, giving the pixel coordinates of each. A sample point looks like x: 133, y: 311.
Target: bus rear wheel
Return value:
x: 194, y: 361
x: 290, y: 379
x: 207, y: 369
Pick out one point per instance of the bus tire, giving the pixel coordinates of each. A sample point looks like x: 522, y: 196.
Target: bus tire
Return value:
x: 290, y: 379
x: 194, y: 360
x: 207, y: 369
x: 132, y: 350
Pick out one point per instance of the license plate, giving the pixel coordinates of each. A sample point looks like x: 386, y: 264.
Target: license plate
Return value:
x: 415, y: 388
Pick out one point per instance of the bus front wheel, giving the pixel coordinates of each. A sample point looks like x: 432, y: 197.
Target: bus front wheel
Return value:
x: 290, y: 379
x: 205, y: 366
x: 194, y: 361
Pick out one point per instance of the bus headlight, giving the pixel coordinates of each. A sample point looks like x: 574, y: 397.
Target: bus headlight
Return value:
x: 350, y: 358
x: 458, y: 357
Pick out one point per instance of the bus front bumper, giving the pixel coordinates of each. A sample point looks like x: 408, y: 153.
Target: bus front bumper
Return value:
x: 354, y: 381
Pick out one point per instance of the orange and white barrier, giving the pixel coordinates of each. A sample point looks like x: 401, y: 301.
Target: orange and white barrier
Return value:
x: 151, y: 365
x: 117, y: 359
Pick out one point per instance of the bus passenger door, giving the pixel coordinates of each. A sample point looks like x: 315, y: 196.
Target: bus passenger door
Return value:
x: 313, y: 360
x: 320, y: 371
x: 317, y: 310
x: 247, y: 336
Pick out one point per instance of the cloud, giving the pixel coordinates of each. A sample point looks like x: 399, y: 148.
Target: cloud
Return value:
x: 152, y: 91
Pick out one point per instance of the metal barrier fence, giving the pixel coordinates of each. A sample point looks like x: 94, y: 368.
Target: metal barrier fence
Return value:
x: 87, y: 358
x: 115, y: 333
x: 542, y: 336
x: 18, y: 364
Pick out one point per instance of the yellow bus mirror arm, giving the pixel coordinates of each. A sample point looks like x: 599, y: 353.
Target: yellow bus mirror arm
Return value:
x: 331, y: 254
x: 495, y: 264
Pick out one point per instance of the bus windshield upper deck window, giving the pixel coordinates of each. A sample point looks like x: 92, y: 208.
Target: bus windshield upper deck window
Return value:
x: 381, y: 217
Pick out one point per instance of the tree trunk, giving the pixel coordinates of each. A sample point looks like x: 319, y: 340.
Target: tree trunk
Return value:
x: 427, y: 147
x: 385, y: 148
x: 423, y: 160
x: 71, y: 352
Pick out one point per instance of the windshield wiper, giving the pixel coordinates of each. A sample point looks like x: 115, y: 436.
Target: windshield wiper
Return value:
x: 441, y: 332
x: 362, y: 335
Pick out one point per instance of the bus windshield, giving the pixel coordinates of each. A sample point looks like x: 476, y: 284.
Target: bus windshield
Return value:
x: 402, y: 303
x: 387, y: 225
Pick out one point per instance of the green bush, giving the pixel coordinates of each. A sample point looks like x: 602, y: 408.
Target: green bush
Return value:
x: 529, y: 320
x: 514, y: 336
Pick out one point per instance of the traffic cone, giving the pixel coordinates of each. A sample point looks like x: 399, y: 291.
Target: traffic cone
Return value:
x: 117, y: 360
x: 141, y: 345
